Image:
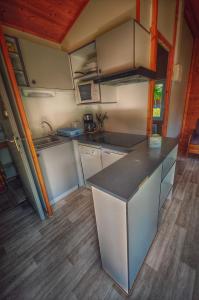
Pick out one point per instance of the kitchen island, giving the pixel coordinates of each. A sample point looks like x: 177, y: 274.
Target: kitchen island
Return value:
x: 128, y: 196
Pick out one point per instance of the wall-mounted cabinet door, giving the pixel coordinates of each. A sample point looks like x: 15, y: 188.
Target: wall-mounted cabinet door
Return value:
x: 115, y: 49
x: 46, y: 67
x: 142, y: 47
x: 124, y: 47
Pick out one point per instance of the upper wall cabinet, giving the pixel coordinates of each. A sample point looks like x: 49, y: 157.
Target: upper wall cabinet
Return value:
x: 46, y: 67
x: 84, y: 70
x: 84, y: 62
x: 124, y: 47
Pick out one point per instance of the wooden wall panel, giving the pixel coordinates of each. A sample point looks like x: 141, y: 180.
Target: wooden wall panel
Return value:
x: 47, y: 19
x: 191, y: 113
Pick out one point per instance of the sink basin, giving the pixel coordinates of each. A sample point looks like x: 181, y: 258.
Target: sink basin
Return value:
x: 45, y: 141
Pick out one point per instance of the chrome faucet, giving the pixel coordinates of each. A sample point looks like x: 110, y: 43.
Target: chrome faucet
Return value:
x: 49, y: 126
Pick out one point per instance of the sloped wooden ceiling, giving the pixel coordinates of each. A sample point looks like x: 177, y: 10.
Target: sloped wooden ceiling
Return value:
x: 48, y: 19
x: 192, y: 15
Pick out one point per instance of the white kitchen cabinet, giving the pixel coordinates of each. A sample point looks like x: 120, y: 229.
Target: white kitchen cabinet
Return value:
x: 90, y: 160
x: 124, y: 47
x: 169, y: 161
x: 126, y: 229
x: 46, y: 67
x: 94, y: 159
x: 167, y: 185
x: 59, y: 170
x: 167, y: 178
x: 110, y: 156
x: 142, y: 211
x: 85, y: 68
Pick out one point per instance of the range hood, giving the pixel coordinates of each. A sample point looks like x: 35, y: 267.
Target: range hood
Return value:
x: 136, y: 75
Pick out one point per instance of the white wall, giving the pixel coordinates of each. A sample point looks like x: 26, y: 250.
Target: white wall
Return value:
x: 178, y: 91
x: 128, y: 115
x: 166, y: 17
x: 145, y: 13
x: 97, y: 17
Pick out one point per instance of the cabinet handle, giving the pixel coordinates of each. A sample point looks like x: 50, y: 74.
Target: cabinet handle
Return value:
x: 33, y: 81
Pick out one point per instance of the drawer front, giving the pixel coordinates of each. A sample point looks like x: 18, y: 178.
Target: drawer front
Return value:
x: 166, y: 185
x: 169, y: 161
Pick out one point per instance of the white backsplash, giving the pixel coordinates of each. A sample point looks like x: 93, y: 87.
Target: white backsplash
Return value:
x: 128, y: 115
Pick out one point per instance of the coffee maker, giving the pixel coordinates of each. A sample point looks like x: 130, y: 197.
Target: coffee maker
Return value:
x: 89, y: 124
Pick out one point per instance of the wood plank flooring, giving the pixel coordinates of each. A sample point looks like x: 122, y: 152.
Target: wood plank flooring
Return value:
x: 59, y: 258
x: 13, y: 196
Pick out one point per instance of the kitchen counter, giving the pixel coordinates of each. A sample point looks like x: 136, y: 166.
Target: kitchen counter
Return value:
x: 123, y: 142
x: 123, y: 178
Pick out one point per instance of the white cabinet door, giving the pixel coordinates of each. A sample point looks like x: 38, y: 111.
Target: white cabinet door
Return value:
x: 111, y: 222
x: 115, y: 49
x: 46, y: 67
x: 91, y: 160
x: 143, y: 222
x: 59, y: 170
x: 109, y: 157
x: 124, y: 47
x: 142, y: 47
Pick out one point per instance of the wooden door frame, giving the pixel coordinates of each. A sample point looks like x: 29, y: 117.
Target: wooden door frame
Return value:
x: 155, y: 37
x: 187, y: 97
x: 24, y: 121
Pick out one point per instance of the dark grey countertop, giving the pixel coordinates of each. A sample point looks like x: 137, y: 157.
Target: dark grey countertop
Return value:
x: 123, y: 178
x: 123, y: 142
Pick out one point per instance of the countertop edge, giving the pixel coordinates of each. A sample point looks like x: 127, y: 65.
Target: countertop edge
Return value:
x: 126, y: 199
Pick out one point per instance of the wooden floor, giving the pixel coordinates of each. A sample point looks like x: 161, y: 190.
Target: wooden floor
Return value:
x: 59, y: 258
x: 13, y: 196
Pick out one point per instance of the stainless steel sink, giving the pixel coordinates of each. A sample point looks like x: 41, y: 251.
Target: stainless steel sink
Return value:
x: 47, y: 141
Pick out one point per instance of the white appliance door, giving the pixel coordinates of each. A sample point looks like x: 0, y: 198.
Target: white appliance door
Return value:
x: 109, y: 157
x: 91, y: 160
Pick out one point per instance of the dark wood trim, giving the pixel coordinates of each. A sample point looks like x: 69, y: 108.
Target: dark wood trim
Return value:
x: 24, y: 121
x: 138, y: 11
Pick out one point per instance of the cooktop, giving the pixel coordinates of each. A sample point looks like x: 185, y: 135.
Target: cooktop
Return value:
x: 116, y: 139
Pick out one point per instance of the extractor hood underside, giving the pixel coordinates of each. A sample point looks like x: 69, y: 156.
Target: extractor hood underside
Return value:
x: 137, y: 75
